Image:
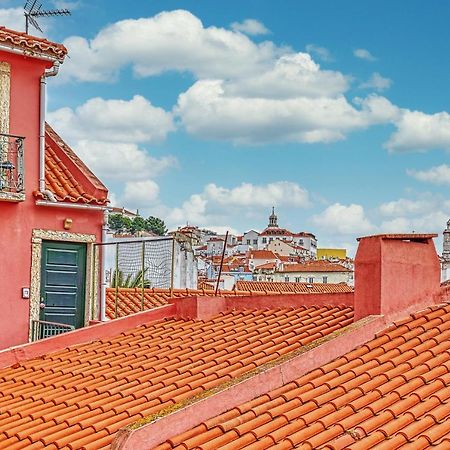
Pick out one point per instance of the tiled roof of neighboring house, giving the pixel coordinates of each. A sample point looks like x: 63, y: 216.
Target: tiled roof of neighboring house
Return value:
x: 81, y: 396
x: 279, y: 287
x: 275, y: 231
x: 206, y: 285
x: 76, y: 184
x: 269, y: 266
x: 129, y: 300
x: 314, y: 266
x: 261, y: 254
x: 391, y: 393
x: 31, y: 44
x: 304, y: 234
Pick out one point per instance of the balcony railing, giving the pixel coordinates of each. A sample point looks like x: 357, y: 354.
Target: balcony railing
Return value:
x: 12, y: 182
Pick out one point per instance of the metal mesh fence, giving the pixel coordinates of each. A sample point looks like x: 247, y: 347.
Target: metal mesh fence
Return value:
x: 135, y: 264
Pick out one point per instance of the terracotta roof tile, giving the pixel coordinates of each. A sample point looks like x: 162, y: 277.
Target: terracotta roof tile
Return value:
x: 31, y: 44
x: 314, y: 266
x: 393, y: 392
x: 76, y: 185
x: 81, y: 396
x: 297, y: 288
x: 129, y: 300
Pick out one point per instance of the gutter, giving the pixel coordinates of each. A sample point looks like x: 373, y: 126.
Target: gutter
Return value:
x: 47, y: 73
x: 72, y: 205
x: 29, y: 53
x: 103, y: 282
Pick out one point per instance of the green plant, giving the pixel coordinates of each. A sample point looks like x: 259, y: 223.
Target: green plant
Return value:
x: 131, y: 280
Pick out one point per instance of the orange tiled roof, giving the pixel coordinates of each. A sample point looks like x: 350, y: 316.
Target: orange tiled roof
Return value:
x: 262, y: 254
x: 31, y: 44
x: 129, y: 300
x: 315, y: 266
x: 270, y: 265
x: 278, y: 287
x: 393, y: 392
x: 81, y: 396
x: 275, y: 231
x: 76, y: 184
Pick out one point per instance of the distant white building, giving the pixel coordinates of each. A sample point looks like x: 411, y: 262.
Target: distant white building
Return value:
x: 250, y: 240
x: 445, y: 260
x: 274, y: 232
x: 310, y: 272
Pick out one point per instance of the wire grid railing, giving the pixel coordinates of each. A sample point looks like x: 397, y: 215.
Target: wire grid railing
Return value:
x: 41, y: 329
x: 137, y: 264
x: 11, y: 163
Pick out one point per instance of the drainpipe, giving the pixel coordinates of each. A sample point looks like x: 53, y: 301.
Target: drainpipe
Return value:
x: 48, y: 73
x: 103, y: 269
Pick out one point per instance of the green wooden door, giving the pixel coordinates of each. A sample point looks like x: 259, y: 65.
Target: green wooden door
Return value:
x: 63, y: 283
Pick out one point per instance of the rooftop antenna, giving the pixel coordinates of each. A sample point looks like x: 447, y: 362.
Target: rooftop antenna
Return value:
x: 33, y: 9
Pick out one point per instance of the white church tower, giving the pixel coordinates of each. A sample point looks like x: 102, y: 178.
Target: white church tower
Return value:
x: 445, y: 274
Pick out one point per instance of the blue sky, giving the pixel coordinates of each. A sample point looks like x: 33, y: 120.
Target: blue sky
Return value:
x: 211, y: 112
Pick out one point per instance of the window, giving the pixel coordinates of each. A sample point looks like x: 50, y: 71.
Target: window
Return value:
x: 286, y: 279
x: 270, y: 239
x: 248, y: 241
x: 311, y: 280
x: 300, y: 242
x: 264, y: 241
x: 325, y: 279
x: 255, y: 241
x: 297, y: 279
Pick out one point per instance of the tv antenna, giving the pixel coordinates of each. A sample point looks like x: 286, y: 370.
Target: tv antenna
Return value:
x: 33, y: 9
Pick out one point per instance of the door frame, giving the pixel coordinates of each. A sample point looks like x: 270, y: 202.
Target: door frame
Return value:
x: 38, y: 235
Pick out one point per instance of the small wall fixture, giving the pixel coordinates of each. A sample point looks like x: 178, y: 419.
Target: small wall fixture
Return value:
x: 68, y: 224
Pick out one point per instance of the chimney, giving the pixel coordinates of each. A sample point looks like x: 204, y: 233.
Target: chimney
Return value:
x: 199, y: 307
x: 394, y: 273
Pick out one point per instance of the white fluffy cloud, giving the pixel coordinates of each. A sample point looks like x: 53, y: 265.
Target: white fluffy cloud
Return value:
x: 208, y: 111
x: 175, y: 40
x: 211, y: 207
x: 136, y: 120
x: 121, y: 161
x: 110, y: 135
x: 407, y: 207
x: 106, y: 134
x: 245, y: 92
x: 363, y: 53
x: 280, y: 193
x: 419, y: 131
x: 432, y: 222
x: 426, y: 213
x: 344, y: 220
x: 12, y: 18
x: 436, y: 175
x: 252, y: 27
x: 139, y: 193
x: 319, y: 52
x: 377, y: 82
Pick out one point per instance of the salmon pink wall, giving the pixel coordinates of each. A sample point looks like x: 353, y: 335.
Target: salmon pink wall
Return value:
x: 395, y: 272
x: 17, y: 220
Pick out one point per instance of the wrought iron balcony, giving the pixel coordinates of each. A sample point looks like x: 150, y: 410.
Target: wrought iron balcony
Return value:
x: 12, y: 182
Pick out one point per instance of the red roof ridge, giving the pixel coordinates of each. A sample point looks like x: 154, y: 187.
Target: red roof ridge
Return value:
x: 31, y: 44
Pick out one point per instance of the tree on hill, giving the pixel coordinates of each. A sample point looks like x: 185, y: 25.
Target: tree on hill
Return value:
x: 122, y: 224
x: 156, y: 225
